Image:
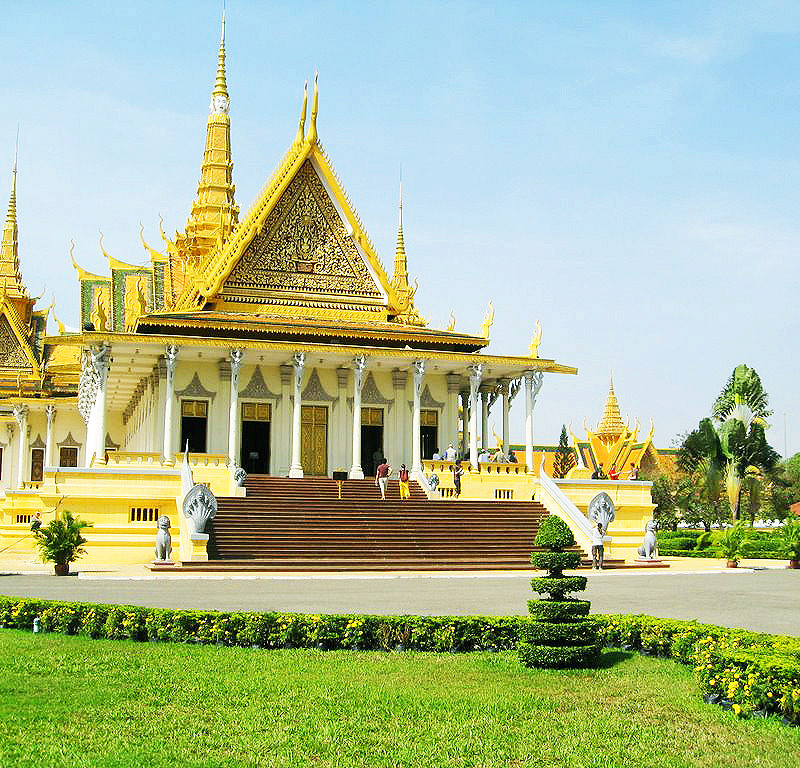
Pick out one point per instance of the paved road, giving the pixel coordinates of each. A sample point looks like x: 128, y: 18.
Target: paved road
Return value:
x: 767, y: 601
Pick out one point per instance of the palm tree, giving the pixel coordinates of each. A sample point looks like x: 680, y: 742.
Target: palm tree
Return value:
x: 733, y: 442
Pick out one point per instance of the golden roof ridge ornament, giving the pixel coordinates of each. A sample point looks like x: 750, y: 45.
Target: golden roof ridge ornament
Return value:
x: 312, y: 131
x: 611, y: 425
x: 533, y: 349
x: 301, y: 128
x: 487, y: 321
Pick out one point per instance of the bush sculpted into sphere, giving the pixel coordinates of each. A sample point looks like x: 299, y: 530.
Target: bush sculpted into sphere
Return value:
x: 558, y: 632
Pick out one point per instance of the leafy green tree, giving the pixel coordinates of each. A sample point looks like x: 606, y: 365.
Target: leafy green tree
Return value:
x: 732, y: 443
x: 663, y: 495
x: 565, y: 455
x: 782, y: 488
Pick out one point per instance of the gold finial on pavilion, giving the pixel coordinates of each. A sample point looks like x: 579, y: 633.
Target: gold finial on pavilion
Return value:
x: 536, y: 340
x: 105, y: 252
x: 301, y: 128
x: 312, y: 132
x: 452, y: 325
x: 400, y: 276
x: 219, y: 96
x: 10, y: 274
x: 611, y: 425
x: 487, y: 321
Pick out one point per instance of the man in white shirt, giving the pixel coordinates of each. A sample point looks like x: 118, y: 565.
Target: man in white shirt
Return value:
x: 597, y: 547
x: 450, y: 453
x: 436, y: 455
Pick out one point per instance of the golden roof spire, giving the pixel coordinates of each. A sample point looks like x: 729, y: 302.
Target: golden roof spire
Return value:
x: 611, y: 425
x: 400, y: 276
x: 221, y: 85
x: 214, y: 213
x: 301, y: 128
x: 312, y: 132
x: 10, y: 277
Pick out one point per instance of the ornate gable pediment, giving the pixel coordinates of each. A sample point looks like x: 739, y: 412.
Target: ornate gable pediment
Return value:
x: 195, y: 389
x: 12, y: 354
x: 314, y: 391
x: 302, y: 250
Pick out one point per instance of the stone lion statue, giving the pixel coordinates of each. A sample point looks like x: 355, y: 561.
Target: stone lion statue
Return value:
x: 648, y: 548
x: 163, y: 540
x: 601, y: 510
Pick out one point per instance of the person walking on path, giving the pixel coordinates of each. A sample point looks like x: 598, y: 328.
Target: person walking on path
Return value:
x: 402, y: 474
x: 382, y: 476
x: 597, y: 547
x: 457, y: 472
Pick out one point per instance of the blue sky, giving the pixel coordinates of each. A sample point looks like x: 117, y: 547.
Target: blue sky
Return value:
x: 626, y: 173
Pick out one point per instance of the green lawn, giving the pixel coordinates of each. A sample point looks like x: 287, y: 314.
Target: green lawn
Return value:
x: 70, y: 701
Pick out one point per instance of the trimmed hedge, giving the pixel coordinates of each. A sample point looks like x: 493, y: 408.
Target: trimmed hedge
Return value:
x: 765, y: 668
x: 266, y: 630
x: 558, y: 610
x: 558, y: 586
x: 755, y: 673
x: 556, y: 562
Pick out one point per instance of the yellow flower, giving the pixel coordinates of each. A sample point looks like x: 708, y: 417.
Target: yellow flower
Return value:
x: 737, y: 710
x: 769, y: 694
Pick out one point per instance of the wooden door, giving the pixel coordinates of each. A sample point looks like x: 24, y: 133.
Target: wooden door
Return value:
x: 314, y: 439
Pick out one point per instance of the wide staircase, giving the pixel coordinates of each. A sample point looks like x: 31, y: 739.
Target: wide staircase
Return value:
x: 301, y: 525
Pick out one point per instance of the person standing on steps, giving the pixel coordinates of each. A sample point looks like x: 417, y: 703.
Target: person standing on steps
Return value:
x: 597, y: 547
x: 382, y: 473
x: 457, y: 472
x: 402, y: 474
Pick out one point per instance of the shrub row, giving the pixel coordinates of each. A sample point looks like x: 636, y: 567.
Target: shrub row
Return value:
x: 265, y: 630
x: 713, y: 552
x: 755, y: 672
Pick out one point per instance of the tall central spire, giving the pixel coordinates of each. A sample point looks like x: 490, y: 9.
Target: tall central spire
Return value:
x: 214, y: 213
x: 400, y: 276
x: 10, y: 277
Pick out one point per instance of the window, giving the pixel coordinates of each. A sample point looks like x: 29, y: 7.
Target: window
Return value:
x: 68, y: 457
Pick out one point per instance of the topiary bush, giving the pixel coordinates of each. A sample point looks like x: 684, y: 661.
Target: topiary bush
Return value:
x: 558, y: 633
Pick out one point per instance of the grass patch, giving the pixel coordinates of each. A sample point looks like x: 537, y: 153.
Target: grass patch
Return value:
x: 71, y: 701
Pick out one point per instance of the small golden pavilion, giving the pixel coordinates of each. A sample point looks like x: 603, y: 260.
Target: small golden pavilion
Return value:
x: 276, y: 339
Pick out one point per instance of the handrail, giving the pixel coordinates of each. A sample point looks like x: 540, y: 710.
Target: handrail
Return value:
x: 566, y: 507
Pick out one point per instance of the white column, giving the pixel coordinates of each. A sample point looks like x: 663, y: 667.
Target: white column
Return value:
x: 96, y: 425
x: 171, y: 360
x: 339, y: 418
x: 359, y: 365
x: 464, y: 447
x: 21, y: 416
x: 299, y: 363
x: 233, y: 413
x: 418, y: 370
x: 396, y: 450
x: 280, y: 430
x: 50, y: 410
x: 533, y: 383
x: 486, y: 391
x: 451, y: 435
x: 475, y: 375
x: 504, y: 383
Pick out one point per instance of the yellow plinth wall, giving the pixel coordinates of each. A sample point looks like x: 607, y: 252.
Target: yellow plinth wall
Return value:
x: 512, y: 482
x: 122, y: 498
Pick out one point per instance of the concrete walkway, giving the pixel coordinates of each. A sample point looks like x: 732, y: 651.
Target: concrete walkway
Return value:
x: 765, y: 599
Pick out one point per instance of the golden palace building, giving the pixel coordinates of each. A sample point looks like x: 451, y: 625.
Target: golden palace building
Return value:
x: 274, y: 340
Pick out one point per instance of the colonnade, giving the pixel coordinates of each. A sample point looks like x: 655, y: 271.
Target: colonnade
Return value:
x: 94, y: 387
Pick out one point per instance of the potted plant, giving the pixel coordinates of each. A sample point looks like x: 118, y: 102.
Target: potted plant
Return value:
x: 733, y: 544
x: 60, y: 541
x: 790, y: 535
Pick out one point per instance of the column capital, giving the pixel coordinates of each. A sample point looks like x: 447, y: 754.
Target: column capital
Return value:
x: 224, y: 366
x: 342, y: 377
x: 236, y: 356
x: 50, y: 410
x: 534, y: 381
x: 299, y: 363
x: 486, y: 387
x: 20, y: 413
x: 399, y: 378
x: 475, y: 376
x: 453, y: 382
x: 359, y: 366
x: 286, y: 374
x: 171, y: 358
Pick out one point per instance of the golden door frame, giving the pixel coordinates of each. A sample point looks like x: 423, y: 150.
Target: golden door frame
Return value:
x: 314, y: 440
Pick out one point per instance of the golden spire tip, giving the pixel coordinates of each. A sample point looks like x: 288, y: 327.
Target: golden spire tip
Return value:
x: 312, y: 134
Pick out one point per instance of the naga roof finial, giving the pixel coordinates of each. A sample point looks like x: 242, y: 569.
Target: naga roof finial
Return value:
x: 301, y: 128
x: 312, y: 132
